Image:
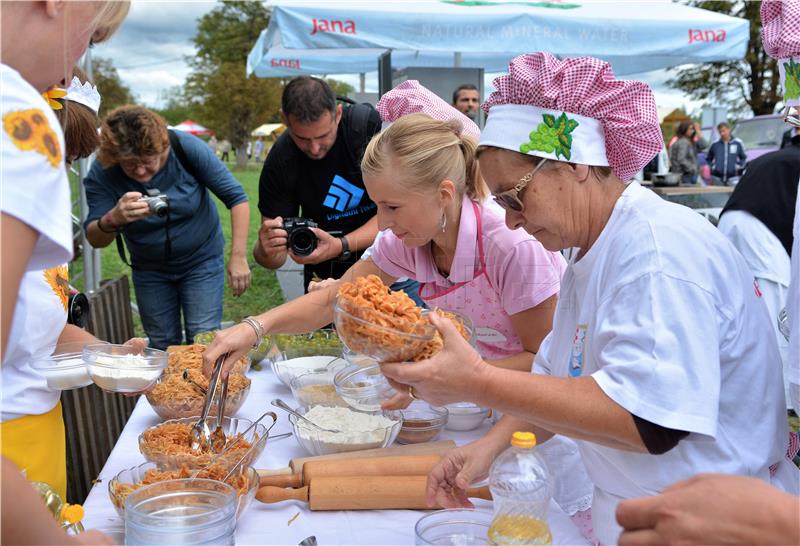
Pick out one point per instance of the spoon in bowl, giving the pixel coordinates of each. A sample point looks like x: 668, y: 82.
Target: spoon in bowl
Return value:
x: 278, y: 403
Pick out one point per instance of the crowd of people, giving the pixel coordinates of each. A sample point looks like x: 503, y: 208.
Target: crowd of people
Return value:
x: 648, y: 367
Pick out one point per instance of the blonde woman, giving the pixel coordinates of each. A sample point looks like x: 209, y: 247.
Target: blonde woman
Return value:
x: 423, y: 177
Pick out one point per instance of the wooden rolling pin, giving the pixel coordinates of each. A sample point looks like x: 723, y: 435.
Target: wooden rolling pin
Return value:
x: 428, y: 448
x: 401, y: 465
x: 361, y: 493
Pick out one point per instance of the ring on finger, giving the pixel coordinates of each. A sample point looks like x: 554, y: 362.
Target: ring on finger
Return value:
x: 411, y: 393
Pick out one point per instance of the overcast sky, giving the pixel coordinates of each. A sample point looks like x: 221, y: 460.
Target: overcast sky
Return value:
x: 150, y: 48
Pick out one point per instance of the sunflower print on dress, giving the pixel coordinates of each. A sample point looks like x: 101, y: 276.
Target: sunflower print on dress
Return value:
x: 58, y: 279
x: 30, y: 130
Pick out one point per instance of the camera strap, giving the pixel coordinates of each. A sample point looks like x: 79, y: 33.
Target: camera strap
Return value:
x: 167, y: 248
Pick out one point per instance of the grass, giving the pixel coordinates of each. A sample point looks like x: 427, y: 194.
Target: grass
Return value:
x: 264, y: 292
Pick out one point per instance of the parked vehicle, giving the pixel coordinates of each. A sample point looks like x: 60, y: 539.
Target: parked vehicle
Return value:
x: 707, y: 201
x: 760, y: 134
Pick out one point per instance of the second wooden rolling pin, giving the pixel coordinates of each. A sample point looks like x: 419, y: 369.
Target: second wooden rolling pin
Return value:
x: 362, y: 493
x: 403, y: 465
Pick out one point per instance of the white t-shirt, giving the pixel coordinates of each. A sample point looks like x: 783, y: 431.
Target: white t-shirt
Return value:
x: 793, y: 311
x: 34, y: 189
x: 663, y: 314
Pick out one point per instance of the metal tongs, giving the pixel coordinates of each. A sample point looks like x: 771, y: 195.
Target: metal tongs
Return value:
x: 201, y: 433
x: 236, y: 441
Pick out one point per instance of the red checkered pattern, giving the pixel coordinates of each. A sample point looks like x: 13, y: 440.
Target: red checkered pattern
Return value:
x: 586, y: 86
x: 410, y: 97
x: 780, y: 34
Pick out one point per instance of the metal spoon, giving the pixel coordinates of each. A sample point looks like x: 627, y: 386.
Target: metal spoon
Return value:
x: 195, y: 384
x: 218, y: 437
x: 278, y: 403
x: 309, y: 541
x: 201, y: 433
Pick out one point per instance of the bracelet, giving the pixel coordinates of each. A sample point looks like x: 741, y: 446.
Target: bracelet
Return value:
x: 100, y: 225
x: 257, y: 328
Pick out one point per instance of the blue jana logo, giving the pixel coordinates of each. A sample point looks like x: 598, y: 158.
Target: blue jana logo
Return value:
x: 342, y: 195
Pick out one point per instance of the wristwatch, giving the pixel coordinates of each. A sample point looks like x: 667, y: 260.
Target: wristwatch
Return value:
x: 345, y: 249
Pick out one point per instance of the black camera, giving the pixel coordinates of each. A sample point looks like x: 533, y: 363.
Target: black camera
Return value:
x: 78, y: 309
x: 157, y: 201
x: 301, y: 240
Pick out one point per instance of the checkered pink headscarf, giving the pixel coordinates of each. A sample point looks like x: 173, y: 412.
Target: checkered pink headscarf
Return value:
x: 780, y: 34
x: 410, y: 97
x: 586, y: 86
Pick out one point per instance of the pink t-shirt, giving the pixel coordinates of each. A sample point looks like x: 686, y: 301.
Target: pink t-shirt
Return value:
x: 519, y: 268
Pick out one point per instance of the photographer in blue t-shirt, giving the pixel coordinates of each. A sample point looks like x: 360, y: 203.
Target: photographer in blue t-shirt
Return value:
x: 152, y: 186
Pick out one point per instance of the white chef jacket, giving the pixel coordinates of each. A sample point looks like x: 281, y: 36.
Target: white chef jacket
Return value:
x: 793, y: 310
x: 663, y: 314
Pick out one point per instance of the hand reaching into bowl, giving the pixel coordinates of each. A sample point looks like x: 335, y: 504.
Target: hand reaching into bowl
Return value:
x: 236, y: 341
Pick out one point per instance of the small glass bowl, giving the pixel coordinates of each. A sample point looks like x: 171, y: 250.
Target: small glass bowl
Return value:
x: 233, y: 426
x: 462, y: 526
x: 287, y: 369
x: 120, y: 368
x: 421, y: 423
x: 316, y: 388
x: 130, y: 479
x: 66, y: 370
x: 317, y: 442
x: 465, y: 416
x: 363, y: 388
x: 189, y: 401
x: 323, y: 342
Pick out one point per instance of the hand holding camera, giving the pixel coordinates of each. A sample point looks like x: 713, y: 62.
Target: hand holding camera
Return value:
x: 131, y: 207
x: 301, y: 237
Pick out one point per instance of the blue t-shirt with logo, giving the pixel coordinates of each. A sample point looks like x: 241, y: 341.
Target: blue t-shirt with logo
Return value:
x: 330, y: 190
x: 194, y: 228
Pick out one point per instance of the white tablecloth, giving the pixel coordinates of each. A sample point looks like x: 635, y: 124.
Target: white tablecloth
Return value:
x: 269, y: 524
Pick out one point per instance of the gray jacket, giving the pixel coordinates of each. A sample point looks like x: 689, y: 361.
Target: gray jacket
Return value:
x: 682, y: 157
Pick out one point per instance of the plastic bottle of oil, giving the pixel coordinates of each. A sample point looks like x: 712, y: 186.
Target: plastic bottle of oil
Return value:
x: 521, y: 489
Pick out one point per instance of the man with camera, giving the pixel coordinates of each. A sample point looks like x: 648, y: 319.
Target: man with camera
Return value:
x: 152, y: 188
x: 315, y: 167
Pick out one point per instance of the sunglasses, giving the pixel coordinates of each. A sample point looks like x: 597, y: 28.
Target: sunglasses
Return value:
x: 509, y: 199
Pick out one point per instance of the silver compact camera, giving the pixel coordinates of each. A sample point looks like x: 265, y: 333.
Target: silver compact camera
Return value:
x: 157, y: 201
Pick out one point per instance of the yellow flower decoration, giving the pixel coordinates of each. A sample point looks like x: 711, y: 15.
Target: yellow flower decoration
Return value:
x: 30, y: 130
x: 72, y: 513
x: 58, y: 279
x: 52, y: 94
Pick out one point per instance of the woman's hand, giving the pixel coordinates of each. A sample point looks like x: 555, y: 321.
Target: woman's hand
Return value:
x: 457, y: 471
x: 129, y: 209
x: 236, y: 341
x: 400, y: 400
x: 238, y: 275
x: 138, y: 343
x: 454, y: 374
x: 313, y: 286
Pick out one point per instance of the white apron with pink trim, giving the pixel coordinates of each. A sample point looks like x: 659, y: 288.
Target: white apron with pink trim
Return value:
x: 478, y: 299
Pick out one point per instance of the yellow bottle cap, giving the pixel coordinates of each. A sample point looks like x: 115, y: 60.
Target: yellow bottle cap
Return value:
x: 523, y: 439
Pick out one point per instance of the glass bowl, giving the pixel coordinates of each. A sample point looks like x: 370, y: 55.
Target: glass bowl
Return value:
x: 421, y: 423
x: 323, y: 342
x: 175, y: 451
x: 465, y: 416
x: 363, y: 388
x: 130, y: 479
x: 66, y: 370
x: 119, y: 368
x: 317, y: 442
x: 172, y: 397
x: 288, y: 369
x: 456, y: 526
x: 316, y: 388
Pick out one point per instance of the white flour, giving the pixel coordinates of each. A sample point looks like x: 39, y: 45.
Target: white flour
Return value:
x: 124, y: 373
x: 359, y: 430
x: 66, y: 374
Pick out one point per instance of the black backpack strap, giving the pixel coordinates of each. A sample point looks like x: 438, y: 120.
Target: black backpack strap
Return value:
x: 180, y: 153
x: 358, y: 136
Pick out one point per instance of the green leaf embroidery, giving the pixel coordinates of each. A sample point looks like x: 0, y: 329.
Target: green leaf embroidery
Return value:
x: 552, y: 136
x: 792, y: 81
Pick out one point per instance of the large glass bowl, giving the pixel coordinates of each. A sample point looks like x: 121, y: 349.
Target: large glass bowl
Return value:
x: 121, y: 368
x: 317, y: 442
x: 286, y: 369
x: 363, y: 388
x: 321, y: 342
x: 168, y: 456
x: 130, y: 479
x: 65, y: 370
x: 457, y: 526
x: 174, y: 398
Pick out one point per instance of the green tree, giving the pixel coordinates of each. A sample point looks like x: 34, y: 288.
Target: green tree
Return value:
x: 177, y: 108
x: 342, y: 89
x: 113, y: 92
x: 226, y: 100
x: 749, y: 83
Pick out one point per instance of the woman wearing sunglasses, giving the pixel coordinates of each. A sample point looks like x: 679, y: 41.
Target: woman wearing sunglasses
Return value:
x: 659, y: 335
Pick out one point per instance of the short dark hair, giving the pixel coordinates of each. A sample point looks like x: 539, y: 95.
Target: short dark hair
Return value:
x: 463, y: 87
x: 307, y: 98
x: 722, y: 124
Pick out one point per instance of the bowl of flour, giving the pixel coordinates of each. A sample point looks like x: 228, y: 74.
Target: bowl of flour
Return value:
x: 120, y: 368
x: 359, y: 430
x: 65, y: 370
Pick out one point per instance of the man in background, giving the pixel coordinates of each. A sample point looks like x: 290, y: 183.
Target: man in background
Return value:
x: 467, y: 101
x: 726, y: 157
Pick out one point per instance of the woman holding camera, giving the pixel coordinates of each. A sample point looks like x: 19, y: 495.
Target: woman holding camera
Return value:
x: 151, y: 186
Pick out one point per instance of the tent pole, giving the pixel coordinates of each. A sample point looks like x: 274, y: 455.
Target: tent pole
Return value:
x: 362, y: 82
x: 91, y: 256
x: 385, y: 72
x: 457, y: 59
